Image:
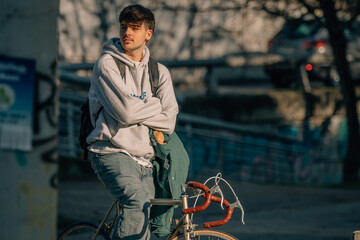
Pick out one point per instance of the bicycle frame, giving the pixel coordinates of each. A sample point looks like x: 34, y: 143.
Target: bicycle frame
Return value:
x: 185, y: 222
x: 114, y: 204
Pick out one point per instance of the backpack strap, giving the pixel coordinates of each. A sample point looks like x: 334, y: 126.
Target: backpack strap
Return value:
x: 121, y: 66
x: 154, y: 75
x: 153, y: 72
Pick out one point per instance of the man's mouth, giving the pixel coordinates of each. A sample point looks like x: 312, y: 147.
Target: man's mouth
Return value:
x: 127, y: 40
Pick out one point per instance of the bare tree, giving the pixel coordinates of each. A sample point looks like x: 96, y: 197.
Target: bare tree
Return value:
x: 338, y: 43
x: 336, y: 16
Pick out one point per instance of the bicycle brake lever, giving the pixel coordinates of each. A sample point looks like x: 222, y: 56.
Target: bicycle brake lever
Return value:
x: 217, y: 189
x: 237, y: 204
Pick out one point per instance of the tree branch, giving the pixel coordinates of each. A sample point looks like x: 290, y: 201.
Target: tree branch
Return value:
x: 355, y: 14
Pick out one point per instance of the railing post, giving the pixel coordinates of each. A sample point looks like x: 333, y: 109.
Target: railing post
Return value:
x: 70, y: 130
x: 212, y: 81
x: 309, y: 107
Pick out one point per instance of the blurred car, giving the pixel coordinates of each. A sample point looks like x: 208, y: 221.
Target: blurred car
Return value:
x: 308, y: 43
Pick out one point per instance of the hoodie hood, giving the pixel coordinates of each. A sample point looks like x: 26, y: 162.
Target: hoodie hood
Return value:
x: 113, y: 47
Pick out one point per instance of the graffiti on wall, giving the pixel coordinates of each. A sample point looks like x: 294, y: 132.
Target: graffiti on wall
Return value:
x: 46, y: 107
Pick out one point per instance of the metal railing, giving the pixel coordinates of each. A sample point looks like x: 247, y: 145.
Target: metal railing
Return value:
x: 240, y: 152
x: 67, y: 71
x: 213, y: 145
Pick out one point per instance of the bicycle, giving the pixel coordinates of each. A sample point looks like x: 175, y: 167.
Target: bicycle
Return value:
x: 184, y: 228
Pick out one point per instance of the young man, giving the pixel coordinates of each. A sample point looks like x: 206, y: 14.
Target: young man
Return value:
x: 122, y: 111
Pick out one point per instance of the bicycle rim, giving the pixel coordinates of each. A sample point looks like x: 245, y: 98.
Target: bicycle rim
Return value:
x: 208, y: 234
x: 83, y: 231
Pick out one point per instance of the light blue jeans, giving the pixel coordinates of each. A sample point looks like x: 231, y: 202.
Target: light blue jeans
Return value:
x: 133, y: 185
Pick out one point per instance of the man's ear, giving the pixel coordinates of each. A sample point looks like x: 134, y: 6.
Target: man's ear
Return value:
x: 149, y: 34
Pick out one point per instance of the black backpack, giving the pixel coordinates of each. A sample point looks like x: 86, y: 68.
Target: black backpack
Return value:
x: 85, y: 121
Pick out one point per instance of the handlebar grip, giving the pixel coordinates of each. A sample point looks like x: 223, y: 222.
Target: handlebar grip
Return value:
x: 207, y: 197
x: 222, y: 221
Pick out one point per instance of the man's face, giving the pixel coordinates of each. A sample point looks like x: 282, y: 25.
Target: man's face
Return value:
x: 133, y: 36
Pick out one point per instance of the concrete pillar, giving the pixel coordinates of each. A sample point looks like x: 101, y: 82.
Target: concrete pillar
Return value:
x: 28, y: 177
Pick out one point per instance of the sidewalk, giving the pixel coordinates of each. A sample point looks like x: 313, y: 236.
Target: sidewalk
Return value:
x: 271, y: 212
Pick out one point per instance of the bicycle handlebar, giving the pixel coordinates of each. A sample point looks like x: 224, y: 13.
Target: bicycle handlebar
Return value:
x: 208, y: 198
x: 225, y: 219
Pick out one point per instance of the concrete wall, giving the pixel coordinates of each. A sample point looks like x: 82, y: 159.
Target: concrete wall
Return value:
x: 185, y: 29
x: 28, y: 178
x: 199, y: 29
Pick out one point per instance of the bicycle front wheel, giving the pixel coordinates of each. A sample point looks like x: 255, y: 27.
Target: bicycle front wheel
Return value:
x: 208, y: 234
x: 83, y: 231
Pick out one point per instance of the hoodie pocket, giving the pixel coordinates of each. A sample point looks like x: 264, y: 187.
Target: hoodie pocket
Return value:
x: 135, y: 140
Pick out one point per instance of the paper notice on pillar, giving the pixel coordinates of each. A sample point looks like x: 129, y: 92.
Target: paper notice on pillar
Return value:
x: 17, y: 79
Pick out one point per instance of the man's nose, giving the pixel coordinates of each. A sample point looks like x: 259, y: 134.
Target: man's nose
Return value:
x: 127, y: 30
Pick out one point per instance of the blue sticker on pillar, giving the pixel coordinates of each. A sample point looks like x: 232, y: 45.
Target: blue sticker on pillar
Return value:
x: 17, y: 80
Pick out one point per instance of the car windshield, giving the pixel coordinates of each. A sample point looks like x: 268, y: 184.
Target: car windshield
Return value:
x: 300, y: 30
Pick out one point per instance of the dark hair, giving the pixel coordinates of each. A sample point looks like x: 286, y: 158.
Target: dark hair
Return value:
x: 136, y: 14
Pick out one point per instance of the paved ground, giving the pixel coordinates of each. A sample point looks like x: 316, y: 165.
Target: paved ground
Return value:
x: 271, y: 212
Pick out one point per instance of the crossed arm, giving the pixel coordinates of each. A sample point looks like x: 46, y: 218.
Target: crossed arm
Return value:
x: 157, y: 112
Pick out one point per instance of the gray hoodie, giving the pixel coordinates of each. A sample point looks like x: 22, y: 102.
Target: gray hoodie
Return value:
x: 129, y: 108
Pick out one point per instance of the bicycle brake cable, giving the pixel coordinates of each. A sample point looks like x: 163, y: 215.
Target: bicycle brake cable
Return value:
x: 237, y: 203
x: 216, y: 189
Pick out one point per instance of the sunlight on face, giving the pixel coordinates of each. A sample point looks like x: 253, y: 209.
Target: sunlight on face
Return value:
x: 133, y: 36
